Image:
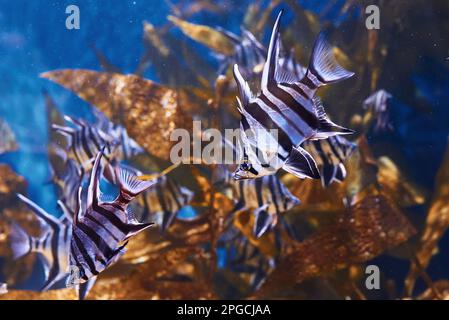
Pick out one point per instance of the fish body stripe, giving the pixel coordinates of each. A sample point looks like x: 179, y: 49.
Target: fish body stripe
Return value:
x: 301, y: 109
x: 84, y: 255
x: 98, y: 241
x: 254, y: 193
x: 110, y: 217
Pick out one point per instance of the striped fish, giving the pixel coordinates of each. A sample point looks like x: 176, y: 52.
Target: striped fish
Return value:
x: 52, y: 245
x: 267, y: 196
x: 248, y: 53
x: 377, y: 104
x: 102, y: 230
x: 287, y: 61
x: 128, y: 147
x: 68, y: 181
x: 289, y: 107
x: 238, y: 255
x: 82, y: 289
x: 330, y: 155
x: 165, y: 199
x: 85, y: 141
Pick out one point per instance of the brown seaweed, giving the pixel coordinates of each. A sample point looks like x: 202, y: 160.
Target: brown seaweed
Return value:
x: 148, y: 111
x: 436, y: 225
x: 365, y: 230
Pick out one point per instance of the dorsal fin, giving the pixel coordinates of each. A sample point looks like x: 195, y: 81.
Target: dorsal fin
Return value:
x: 243, y: 87
x: 248, y: 35
x: 93, y: 191
x: 271, y: 64
x: 39, y: 212
x: 67, y: 214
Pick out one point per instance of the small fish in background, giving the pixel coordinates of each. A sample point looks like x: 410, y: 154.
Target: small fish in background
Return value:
x: 165, y: 199
x: 128, y: 147
x: 330, y: 155
x: 52, y: 245
x: 8, y: 139
x: 241, y: 257
x: 3, y: 288
x: 101, y: 230
x: 377, y: 105
x: 287, y: 61
x: 248, y: 53
x: 85, y: 141
x: 267, y: 196
x: 290, y: 106
x: 68, y: 180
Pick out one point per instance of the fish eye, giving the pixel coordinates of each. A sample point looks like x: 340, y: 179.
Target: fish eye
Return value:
x: 245, y: 166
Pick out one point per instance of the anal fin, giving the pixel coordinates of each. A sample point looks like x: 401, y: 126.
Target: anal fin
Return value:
x: 301, y: 164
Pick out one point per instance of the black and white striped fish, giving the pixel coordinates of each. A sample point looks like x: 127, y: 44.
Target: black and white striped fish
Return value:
x: 330, y: 155
x: 288, y: 107
x: 166, y: 197
x: 267, y: 196
x: 287, y: 61
x: 52, y: 245
x: 377, y: 104
x: 101, y: 230
x: 68, y: 180
x: 128, y: 147
x: 84, y: 143
x: 238, y: 255
x: 163, y: 200
x: 248, y: 53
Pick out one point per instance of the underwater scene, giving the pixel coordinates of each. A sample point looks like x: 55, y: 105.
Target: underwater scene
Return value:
x: 196, y: 149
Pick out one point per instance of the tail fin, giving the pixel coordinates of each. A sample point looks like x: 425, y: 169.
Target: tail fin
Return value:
x: 323, y: 65
x: 20, y: 241
x: 130, y: 186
